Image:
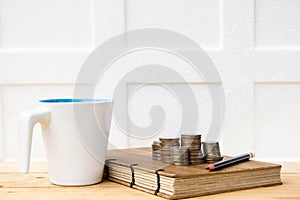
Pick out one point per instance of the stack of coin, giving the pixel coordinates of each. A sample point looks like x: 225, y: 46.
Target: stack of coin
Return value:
x: 193, y: 143
x: 180, y: 156
x: 165, y: 148
x: 196, y: 156
x: 212, y: 152
x: 156, y: 150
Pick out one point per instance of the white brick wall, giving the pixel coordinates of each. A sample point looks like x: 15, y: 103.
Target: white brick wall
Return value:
x: 254, y: 44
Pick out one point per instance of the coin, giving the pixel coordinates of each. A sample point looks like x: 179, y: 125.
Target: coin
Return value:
x: 169, y: 142
x: 200, y: 161
x: 212, y: 152
x: 165, y: 148
x: 193, y: 143
x: 156, y: 150
x: 180, y: 156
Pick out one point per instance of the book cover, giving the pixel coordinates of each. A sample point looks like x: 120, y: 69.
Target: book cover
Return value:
x: 135, y: 168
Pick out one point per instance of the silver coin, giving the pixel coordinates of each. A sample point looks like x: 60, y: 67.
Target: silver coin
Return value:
x: 190, y: 136
x: 197, y: 162
x: 211, y: 149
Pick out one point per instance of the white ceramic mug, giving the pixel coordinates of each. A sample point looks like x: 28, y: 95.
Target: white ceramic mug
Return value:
x: 75, y: 134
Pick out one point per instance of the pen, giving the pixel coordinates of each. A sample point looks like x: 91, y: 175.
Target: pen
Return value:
x: 230, y: 161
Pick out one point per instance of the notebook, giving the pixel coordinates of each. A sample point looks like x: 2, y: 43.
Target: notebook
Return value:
x: 135, y: 168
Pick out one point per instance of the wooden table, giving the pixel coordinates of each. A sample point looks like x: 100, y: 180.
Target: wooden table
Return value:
x: 36, y: 185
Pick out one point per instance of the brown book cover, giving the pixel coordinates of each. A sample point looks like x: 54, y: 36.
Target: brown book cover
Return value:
x: 135, y: 168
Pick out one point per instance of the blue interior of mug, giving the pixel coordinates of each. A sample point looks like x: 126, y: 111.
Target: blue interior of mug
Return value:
x: 73, y: 100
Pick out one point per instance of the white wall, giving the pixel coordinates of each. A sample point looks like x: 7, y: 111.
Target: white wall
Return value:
x: 254, y: 44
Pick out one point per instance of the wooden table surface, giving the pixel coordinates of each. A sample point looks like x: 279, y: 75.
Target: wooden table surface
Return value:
x: 36, y: 185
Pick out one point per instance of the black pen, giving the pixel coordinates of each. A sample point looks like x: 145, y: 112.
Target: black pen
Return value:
x: 230, y: 161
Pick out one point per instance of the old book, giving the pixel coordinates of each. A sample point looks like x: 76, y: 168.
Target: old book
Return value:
x: 135, y: 168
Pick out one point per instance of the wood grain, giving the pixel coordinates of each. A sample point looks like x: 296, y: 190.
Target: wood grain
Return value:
x: 17, y: 186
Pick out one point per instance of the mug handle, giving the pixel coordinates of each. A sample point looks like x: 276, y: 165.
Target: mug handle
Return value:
x: 27, y: 121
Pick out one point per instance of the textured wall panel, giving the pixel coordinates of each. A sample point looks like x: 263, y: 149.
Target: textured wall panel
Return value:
x: 165, y: 95
x: 1, y: 128
x: 198, y: 19
x: 277, y: 23
x: 277, y: 121
x: 45, y: 24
